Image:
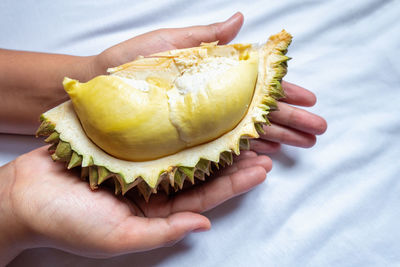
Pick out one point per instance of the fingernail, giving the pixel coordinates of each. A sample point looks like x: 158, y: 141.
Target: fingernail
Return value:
x: 199, y: 230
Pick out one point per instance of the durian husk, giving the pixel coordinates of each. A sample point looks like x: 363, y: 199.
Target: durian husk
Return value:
x: 70, y: 144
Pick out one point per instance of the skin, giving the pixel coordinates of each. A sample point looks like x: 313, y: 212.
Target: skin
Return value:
x: 38, y: 211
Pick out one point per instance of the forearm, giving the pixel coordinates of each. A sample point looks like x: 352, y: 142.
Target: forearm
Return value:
x: 31, y: 83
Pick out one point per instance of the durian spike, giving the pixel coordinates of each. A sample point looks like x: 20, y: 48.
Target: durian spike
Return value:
x: 222, y: 163
x: 63, y: 151
x: 55, y: 157
x: 244, y: 144
x: 259, y: 128
x: 103, y: 174
x: 227, y: 157
x: 171, y: 177
x: 189, y: 172
x: 276, y: 90
x: 204, y: 166
x: 179, y: 179
x: 84, y: 173
x: 93, y: 177
x: 199, y: 175
x: 144, y: 190
x: 267, y: 122
x: 280, y: 59
x: 165, y: 185
x: 125, y: 187
x: 45, y: 129
x: 117, y: 186
x: 53, y: 138
x: 75, y: 160
x: 216, y: 165
x: 270, y: 102
x: 154, y: 190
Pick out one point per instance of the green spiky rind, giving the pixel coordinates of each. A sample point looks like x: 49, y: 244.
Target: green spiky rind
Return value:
x: 279, y: 65
x: 174, y: 177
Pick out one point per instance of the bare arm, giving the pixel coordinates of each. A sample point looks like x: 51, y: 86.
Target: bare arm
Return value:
x: 31, y: 83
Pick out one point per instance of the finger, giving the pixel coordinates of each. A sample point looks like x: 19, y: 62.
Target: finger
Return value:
x: 136, y: 233
x: 263, y: 146
x: 168, y: 39
x: 298, y: 119
x: 281, y: 134
x: 245, y: 154
x: 223, y: 32
x: 297, y: 95
x: 262, y: 161
x: 216, y: 191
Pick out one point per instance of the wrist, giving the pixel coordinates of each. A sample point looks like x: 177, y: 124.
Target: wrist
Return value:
x: 99, y: 64
x: 14, y: 237
x: 110, y: 58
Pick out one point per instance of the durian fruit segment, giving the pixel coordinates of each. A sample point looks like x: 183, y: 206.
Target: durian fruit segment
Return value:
x: 156, y: 113
x: 71, y: 144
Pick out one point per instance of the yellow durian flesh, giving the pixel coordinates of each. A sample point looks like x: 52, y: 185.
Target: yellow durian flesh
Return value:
x: 193, y: 97
x: 120, y: 119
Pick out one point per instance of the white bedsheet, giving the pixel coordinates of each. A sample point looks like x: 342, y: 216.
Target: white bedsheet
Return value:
x: 337, y: 204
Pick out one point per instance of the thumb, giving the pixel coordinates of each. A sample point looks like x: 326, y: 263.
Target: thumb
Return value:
x: 224, y: 32
x: 137, y: 234
x: 167, y: 39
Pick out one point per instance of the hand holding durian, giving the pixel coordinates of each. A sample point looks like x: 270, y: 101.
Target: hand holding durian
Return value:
x: 154, y: 125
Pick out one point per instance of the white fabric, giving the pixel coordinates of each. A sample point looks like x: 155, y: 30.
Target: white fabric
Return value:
x: 336, y: 204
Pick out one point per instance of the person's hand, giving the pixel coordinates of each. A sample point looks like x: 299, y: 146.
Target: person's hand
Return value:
x: 44, y: 205
x: 290, y: 125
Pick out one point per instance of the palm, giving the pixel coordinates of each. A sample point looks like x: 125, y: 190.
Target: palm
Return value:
x: 65, y: 213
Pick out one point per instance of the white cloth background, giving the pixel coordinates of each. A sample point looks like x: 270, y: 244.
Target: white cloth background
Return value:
x: 337, y: 204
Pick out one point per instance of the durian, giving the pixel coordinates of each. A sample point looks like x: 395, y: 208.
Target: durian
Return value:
x: 164, y: 119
